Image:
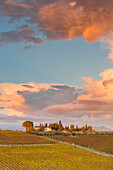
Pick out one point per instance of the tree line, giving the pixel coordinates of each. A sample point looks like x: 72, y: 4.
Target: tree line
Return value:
x: 56, y: 127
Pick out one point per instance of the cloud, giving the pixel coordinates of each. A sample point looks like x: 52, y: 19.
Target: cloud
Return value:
x: 1, y: 108
x: 26, y: 35
x: 99, y: 94
x: 91, y: 102
x: 24, y: 99
x: 14, y: 102
x: 96, y: 99
x: 45, y: 98
x: 72, y: 4
x: 110, y: 47
x: 28, y: 86
x: 108, y: 79
x: 14, y: 119
x: 57, y: 20
x: 27, y: 47
x: 86, y: 19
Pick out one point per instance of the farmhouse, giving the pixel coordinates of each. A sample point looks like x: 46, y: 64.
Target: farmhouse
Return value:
x: 46, y: 128
x: 37, y: 127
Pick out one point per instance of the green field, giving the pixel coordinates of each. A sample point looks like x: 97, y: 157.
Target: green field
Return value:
x: 21, y: 138
x: 102, y: 143
x: 50, y: 157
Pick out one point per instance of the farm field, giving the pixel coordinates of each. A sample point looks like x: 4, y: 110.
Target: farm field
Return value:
x: 49, y: 157
x: 21, y: 138
x: 102, y: 143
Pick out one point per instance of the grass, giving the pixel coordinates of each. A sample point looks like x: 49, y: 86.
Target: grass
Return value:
x: 49, y: 157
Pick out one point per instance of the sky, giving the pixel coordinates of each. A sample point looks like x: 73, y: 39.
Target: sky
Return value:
x: 56, y: 62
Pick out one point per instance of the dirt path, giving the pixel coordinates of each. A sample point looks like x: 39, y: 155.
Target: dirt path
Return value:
x: 30, y: 144
x: 82, y: 147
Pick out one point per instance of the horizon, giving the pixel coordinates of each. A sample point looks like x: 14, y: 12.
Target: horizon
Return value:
x: 56, y: 62
x: 35, y: 124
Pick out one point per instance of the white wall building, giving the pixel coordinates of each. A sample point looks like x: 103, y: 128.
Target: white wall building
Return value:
x: 37, y: 127
x: 47, y: 129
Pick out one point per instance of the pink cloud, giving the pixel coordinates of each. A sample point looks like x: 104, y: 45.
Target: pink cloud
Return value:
x: 25, y: 99
x: 91, y: 104
x: 59, y: 19
x: 14, y: 102
x: 96, y: 100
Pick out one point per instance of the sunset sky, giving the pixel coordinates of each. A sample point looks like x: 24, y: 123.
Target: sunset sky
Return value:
x: 56, y: 62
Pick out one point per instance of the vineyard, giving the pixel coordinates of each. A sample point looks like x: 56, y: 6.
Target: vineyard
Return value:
x: 49, y: 157
x: 22, y: 138
x: 98, y: 142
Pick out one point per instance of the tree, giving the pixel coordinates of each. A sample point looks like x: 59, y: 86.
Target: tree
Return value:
x: 45, y: 124
x: 50, y: 125
x: 28, y: 125
x: 83, y: 129
x: 56, y: 126
x: 60, y: 124
x: 76, y: 128
x: 60, y: 127
x: 53, y: 126
x: 86, y: 127
x: 66, y: 127
x: 72, y: 127
x: 42, y: 128
x: 90, y: 128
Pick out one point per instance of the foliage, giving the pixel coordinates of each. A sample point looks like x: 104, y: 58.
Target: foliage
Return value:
x: 42, y: 128
x: 66, y: 127
x: 56, y: 126
x: 76, y: 128
x: 28, y: 125
x: 86, y: 128
x: 83, y: 129
x: 71, y: 127
x: 45, y: 124
x: 90, y: 128
x: 59, y: 127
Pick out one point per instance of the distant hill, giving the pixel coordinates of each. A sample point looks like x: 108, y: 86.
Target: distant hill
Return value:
x: 101, y: 128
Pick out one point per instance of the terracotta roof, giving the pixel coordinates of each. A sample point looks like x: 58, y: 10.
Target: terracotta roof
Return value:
x: 43, y: 126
